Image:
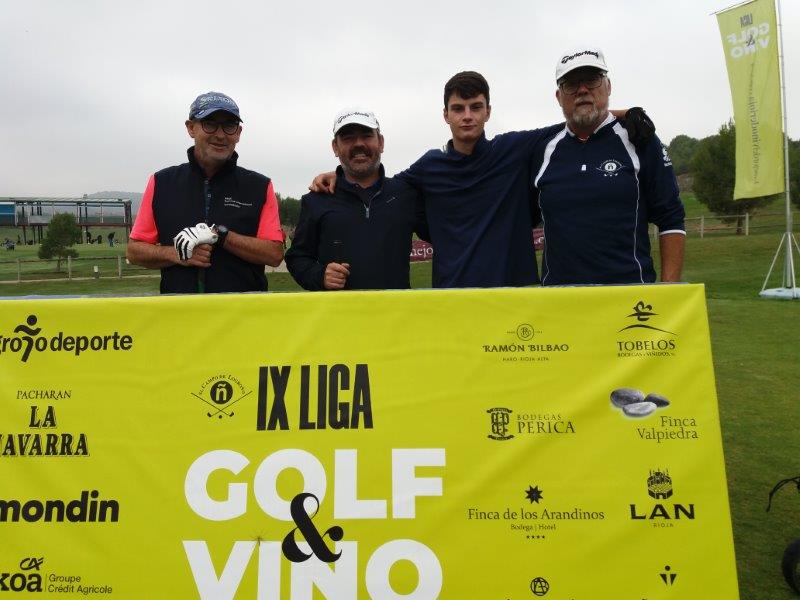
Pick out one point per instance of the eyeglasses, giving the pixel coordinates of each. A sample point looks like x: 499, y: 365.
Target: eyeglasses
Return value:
x: 590, y: 81
x: 229, y: 127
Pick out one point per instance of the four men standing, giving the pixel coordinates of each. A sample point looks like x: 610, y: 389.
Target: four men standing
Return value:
x: 595, y: 182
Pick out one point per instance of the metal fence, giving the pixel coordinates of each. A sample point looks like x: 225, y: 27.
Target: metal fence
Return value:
x: 33, y: 269
x: 744, y: 224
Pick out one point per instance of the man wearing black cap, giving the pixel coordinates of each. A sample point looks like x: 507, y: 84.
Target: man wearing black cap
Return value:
x: 208, y: 224
x: 598, y: 191
x: 359, y: 238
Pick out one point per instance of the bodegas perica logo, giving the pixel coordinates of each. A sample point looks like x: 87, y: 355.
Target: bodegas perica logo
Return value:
x: 643, y: 335
x: 29, y: 337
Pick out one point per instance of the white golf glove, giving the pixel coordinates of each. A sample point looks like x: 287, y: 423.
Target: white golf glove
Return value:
x: 189, y: 237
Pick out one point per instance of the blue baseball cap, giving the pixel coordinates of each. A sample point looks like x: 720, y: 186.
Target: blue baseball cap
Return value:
x: 211, y: 102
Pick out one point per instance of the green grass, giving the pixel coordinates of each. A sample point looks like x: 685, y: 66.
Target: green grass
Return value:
x: 756, y: 345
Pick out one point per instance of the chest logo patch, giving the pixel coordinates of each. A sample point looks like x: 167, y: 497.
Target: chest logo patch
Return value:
x: 610, y: 167
x: 667, y: 160
x: 231, y: 202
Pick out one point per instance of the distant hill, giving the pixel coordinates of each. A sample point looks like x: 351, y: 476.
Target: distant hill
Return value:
x: 134, y: 197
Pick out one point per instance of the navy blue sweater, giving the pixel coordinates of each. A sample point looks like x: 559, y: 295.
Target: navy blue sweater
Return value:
x: 481, y: 210
x: 596, y: 198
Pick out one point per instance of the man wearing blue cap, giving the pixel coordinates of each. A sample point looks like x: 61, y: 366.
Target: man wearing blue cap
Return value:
x: 208, y: 224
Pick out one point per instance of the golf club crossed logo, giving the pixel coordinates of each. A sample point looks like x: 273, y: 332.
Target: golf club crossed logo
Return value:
x: 221, y: 396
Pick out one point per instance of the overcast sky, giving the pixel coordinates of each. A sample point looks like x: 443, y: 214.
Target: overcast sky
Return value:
x: 95, y: 93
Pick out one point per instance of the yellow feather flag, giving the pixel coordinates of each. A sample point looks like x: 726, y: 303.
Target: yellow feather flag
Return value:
x: 750, y: 38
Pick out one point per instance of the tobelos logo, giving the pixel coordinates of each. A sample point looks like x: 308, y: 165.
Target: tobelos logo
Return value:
x: 28, y: 340
x: 500, y: 417
x: 642, y: 313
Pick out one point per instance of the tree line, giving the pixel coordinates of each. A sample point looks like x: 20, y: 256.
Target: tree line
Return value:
x: 711, y: 164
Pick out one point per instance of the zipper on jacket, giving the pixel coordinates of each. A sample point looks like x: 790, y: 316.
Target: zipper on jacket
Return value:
x: 368, y: 203
x: 207, y: 187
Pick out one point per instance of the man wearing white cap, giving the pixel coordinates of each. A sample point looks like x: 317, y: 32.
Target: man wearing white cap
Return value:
x: 359, y: 238
x: 598, y: 192
x: 209, y: 224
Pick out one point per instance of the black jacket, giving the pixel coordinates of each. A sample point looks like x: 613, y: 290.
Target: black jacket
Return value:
x: 369, y: 229
x: 235, y: 199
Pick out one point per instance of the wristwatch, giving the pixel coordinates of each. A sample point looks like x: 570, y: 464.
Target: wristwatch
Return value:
x: 222, y: 233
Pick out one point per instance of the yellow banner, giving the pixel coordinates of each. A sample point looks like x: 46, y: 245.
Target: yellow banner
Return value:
x: 458, y: 444
x: 750, y: 39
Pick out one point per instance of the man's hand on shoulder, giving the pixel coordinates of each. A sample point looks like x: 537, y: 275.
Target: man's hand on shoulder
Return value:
x: 324, y: 183
x: 638, y: 125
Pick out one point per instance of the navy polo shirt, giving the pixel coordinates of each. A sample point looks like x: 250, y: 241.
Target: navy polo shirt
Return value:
x: 596, y: 200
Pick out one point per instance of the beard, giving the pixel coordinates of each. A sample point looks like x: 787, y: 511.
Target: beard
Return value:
x: 360, y: 171
x: 587, y: 116
x: 586, y: 119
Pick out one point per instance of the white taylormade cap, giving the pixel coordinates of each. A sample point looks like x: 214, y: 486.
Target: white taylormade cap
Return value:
x: 355, y: 116
x: 580, y: 57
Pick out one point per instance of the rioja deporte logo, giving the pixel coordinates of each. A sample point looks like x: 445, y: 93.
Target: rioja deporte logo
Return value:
x: 27, y: 338
x: 500, y: 419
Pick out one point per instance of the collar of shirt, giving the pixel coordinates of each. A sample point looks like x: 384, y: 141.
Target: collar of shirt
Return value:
x: 480, y: 147
x: 341, y: 179
x: 609, y: 119
x: 228, y: 166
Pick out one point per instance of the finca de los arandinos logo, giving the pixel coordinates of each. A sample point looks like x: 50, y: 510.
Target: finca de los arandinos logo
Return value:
x: 29, y: 337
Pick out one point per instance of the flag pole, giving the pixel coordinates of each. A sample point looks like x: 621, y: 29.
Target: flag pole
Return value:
x: 789, y: 279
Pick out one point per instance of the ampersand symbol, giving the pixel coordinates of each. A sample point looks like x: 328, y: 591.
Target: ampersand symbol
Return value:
x: 303, y: 521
